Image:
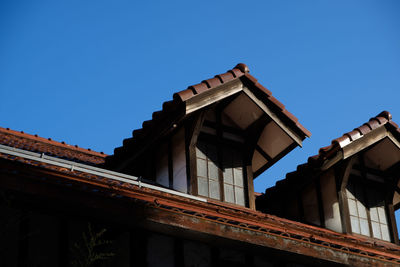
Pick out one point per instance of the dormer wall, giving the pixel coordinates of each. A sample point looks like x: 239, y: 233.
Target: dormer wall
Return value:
x: 212, y: 139
x: 354, y: 190
x: 170, y: 162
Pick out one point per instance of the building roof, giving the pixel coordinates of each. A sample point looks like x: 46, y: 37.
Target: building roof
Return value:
x: 176, y: 109
x: 380, y: 120
x: 263, y: 228
x: 50, y: 147
x: 334, y: 152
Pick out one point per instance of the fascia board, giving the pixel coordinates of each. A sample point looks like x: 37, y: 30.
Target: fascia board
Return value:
x: 213, y: 95
x: 367, y: 140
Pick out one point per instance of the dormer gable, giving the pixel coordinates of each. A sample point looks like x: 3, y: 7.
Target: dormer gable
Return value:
x: 212, y: 139
x: 351, y: 186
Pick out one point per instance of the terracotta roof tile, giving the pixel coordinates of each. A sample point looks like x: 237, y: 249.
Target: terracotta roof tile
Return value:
x: 303, y: 129
x: 290, y: 115
x: 37, y: 144
x: 250, y: 77
x: 198, y: 88
x: 236, y: 72
x: 353, y: 135
x: 277, y: 102
x: 263, y: 89
x: 214, y: 82
x: 225, y: 77
x: 373, y: 123
x: 243, y: 67
x: 185, y: 94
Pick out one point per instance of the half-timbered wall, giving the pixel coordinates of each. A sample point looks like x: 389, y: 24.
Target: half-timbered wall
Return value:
x: 170, y: 162
x: 330, y: 201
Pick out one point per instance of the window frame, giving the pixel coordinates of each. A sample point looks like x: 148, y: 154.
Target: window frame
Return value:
x: 364, y: 183
x: 220, y: 144
x: 217, y: 138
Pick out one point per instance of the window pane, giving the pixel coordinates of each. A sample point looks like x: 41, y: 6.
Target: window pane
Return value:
x: 355, y: 227
x: 371, y: 218
x: 364, y: 227
x: 362, y: 211
x: 373, y: 212
x: 201, y: 168
x: 352, y: 207
x: 228, y: 175
x: 238, y: 174
x: 202, y: 186
x: 349, y: 191
x: 201, y: 150
x: 239, y: 195
x: 382, y: 215
x: 376, y: 230
x: 385, y: 232
x: 228, y: 191
x: 214, y: 189
x: 212, y: 170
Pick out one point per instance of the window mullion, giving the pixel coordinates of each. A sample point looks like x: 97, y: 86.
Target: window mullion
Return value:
x: 367, y: 204
x: 219, y: 154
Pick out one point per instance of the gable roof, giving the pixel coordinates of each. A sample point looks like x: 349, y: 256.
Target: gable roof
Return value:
x: 187, y: 101
x: 49, y: 147
x: 339, y: 149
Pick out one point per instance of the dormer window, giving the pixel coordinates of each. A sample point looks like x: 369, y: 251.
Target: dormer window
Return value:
x: 220, y: 160
x: 351, y: 186
x: 212, y: 139
x: 367, y: 209
x: 220, y: 175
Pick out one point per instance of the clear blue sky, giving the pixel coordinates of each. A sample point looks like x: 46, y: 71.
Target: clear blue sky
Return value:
x: 89, y: 72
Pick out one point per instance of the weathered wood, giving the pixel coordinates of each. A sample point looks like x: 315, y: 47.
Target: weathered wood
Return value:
x: 342, y: 173
x: 214, y: 95
x: 366, y: 141
x: 392, y: 224
x: 193, y: 128
x: 220, y: 152
x: 250, y: 187
x: 276, y: 159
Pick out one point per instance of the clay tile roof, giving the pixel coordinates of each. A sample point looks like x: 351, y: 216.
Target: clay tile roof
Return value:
x: 328, y: 152
x: 49, y: 147
x: 240, y: 71
x: 338, y: 143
